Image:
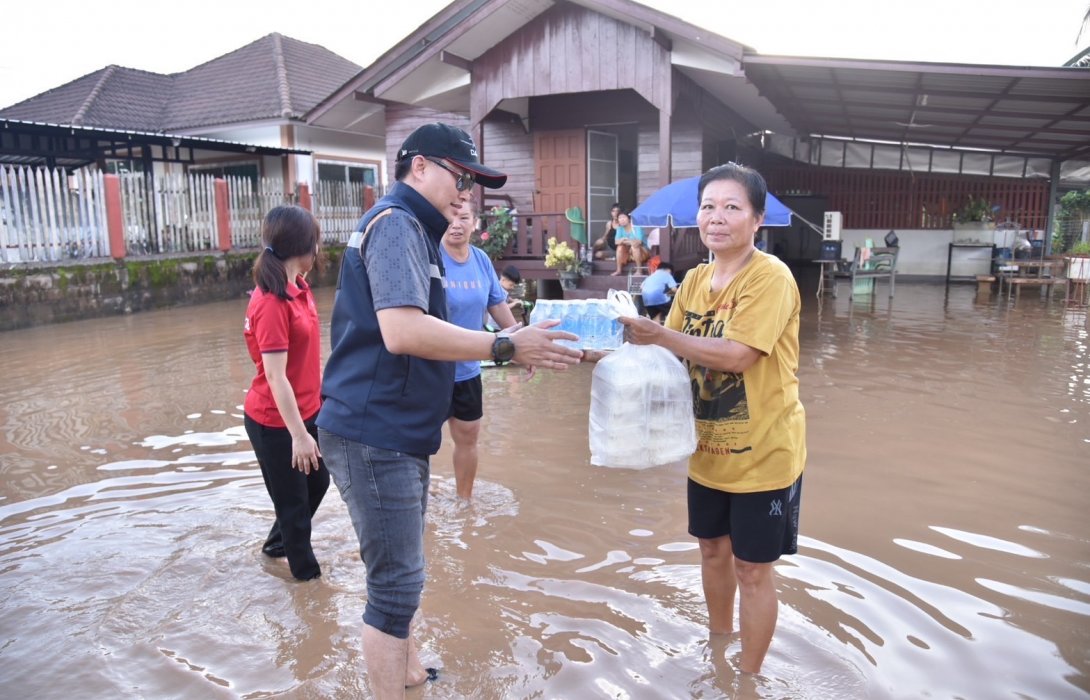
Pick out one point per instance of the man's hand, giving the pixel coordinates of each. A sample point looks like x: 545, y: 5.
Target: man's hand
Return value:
x: 641, y: 330
x: 536, y: 346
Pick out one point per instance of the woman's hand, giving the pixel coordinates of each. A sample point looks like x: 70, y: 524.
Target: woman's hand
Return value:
x: 304, y: 453
x: 641, y: 330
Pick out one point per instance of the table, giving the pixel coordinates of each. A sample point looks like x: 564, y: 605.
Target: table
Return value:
x: 826, y: 271
x: 1026, y: 271
x: 950, y: 256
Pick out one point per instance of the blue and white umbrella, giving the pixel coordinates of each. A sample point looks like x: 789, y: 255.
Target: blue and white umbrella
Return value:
x: 676, y: 205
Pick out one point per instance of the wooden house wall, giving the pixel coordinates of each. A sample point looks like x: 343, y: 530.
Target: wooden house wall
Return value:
x: 687, y: 154
x: 892, y: 199
x: 569, y: 49
x: 722, y: 127
x: 511, y: 150
x: 402, y: 120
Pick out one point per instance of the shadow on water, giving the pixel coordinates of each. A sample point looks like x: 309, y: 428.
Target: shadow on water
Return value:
x: 944, y: 550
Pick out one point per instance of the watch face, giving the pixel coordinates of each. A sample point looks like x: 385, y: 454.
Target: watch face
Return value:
x: 503, y: 349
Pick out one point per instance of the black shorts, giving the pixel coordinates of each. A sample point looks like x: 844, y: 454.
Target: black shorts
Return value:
x: 762, y: 525
x: 658, y: 309
x: 467, y: 404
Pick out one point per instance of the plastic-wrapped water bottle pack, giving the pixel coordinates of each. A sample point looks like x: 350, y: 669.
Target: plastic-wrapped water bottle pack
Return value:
x: 641, y: 407
x: 591, y: 319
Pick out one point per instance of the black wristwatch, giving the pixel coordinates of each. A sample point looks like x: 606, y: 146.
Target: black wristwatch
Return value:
x: 503, y: 349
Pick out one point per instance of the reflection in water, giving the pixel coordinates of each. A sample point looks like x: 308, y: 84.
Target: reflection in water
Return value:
x: 943, y: 554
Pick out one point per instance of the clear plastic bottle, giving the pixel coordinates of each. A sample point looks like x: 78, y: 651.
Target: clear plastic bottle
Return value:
x: 580, y: 322
x: 541, y: 311
x: 604, y: 322
x: 593, y: 325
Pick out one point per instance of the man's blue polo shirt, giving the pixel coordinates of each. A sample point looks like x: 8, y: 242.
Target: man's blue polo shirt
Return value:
x: 396, y: 402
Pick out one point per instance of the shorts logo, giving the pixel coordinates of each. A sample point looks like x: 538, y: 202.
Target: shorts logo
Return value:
x: 776, y: 509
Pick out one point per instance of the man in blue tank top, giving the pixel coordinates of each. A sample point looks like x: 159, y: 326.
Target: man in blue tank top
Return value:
x: 389, y: 379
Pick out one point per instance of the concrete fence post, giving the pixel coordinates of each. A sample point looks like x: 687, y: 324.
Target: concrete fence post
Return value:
x: 304, y: 197
x: 223, y: 214
x: 115, y: 222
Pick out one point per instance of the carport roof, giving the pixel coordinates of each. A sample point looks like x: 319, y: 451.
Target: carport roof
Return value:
x: 70, y: 146
x: 1019, y: 110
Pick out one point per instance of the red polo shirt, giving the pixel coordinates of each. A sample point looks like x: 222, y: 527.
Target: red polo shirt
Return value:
x: 278, y: 325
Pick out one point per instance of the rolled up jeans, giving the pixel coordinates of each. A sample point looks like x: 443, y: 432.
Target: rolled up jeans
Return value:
x: 386, y: 493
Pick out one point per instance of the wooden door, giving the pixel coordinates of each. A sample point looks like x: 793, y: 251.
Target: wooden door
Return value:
x: 560, y: 171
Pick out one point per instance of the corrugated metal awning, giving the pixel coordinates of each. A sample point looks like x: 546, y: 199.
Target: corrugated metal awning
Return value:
x: 1019, y: 110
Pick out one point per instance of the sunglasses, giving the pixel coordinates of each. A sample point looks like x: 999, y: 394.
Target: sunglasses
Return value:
x: 462, y: 180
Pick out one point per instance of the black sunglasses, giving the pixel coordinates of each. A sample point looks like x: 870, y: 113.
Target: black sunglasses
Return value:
x: 463, y: 180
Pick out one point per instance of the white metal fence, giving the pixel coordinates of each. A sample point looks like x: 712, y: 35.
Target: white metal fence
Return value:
x: 248, y: 202
x: 338, y: 207
x: 47, y: 215
x: 170, y: 214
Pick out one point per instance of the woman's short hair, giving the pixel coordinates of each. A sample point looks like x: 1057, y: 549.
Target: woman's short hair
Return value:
x: 748, y: 178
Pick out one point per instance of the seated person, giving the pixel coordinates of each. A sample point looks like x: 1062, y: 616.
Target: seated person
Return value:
x: 658, y: 290
x: 631, y: 243
x: 511, y: 281
x: 608, y: 241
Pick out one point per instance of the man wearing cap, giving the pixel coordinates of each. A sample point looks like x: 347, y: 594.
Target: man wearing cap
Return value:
x: 389, y: 379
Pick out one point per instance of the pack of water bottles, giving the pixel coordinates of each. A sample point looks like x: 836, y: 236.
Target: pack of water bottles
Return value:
x: 592, y: 320
x: 641, y: 406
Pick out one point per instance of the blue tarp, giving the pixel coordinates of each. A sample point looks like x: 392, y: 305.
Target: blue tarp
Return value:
x: 676, y: 204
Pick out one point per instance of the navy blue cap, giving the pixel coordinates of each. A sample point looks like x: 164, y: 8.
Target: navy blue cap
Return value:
x: 445, y: 141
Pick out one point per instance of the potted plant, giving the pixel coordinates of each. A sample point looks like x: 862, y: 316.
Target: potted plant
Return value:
x: 1078, y: 262
x: 560, y: 257
x: 498, y: 232
x: 975, y: 221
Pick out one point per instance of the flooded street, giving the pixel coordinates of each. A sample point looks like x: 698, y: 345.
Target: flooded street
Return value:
x: 944, y: 551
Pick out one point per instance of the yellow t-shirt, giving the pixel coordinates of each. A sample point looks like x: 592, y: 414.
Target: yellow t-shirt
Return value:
x: 751, y: 427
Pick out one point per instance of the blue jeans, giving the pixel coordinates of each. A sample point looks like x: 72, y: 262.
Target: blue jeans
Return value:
x: 387, y: 494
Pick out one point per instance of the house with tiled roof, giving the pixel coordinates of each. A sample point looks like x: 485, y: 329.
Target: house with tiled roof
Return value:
x: 589, y: 102
x: 256, y: 97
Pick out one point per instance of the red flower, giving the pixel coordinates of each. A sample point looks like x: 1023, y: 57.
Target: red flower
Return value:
x: 484, y: 235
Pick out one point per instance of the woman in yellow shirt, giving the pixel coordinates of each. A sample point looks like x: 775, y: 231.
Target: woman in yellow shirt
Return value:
x: 735, y: 324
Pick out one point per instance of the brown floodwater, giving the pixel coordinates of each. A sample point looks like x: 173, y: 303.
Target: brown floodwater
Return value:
x: 944, y: 549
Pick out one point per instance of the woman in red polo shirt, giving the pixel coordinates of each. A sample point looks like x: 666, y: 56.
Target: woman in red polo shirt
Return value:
x: 282, y: 335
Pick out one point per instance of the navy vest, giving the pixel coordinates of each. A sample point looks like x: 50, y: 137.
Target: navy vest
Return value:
x: 396, y: 402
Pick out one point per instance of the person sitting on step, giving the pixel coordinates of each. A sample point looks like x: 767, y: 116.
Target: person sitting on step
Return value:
x: 631, y: 243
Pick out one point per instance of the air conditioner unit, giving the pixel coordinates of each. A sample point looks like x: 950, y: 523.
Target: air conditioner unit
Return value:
x: 831, y: 229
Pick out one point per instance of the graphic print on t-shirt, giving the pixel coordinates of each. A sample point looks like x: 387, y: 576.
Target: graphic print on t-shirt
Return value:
x: 719, y: 398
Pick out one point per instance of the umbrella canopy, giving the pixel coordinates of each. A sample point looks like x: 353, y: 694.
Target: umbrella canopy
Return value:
x: 677, y: 202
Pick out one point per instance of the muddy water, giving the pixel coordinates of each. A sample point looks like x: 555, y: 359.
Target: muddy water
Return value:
x: 944, y: 550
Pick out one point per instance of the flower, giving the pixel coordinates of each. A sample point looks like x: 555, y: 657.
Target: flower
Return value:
x: 500, y: 232
x: 560, y: 256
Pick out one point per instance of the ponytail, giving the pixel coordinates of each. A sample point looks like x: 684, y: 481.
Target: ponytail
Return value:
x: 270, y: 274
x: 288, y: 231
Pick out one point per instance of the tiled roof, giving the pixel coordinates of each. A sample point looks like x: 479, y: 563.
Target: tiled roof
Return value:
x: 112, y: 96
x: 273, y: 77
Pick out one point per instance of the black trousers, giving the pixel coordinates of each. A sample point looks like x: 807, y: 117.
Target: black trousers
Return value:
x: 295, y: 496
